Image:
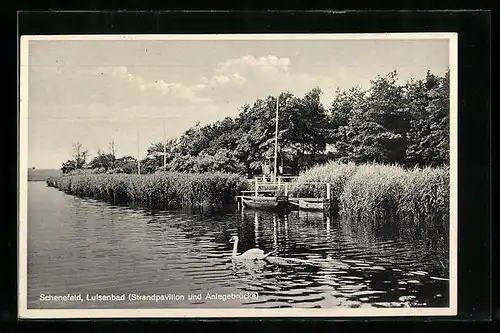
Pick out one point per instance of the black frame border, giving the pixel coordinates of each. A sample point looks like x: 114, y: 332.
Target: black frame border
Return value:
x: 474, y: 111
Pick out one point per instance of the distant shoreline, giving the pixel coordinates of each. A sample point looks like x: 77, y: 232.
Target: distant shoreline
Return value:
x: 42, y: 174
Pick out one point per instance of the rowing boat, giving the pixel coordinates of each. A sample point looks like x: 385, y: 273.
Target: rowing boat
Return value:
x: 260, y: 202
x: 313, y: 205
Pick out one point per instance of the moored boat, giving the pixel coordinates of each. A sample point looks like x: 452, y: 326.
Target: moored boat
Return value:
x: 312, y: 205
x: 261, y: 202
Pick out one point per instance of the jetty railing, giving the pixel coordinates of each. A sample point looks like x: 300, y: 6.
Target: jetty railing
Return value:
x: 282, y: 182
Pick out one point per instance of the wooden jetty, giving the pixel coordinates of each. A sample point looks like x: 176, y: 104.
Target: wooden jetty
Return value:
x: 274, y: 195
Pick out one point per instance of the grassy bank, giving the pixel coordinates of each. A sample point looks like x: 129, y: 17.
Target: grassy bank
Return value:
x: 382, y: 193
x: 159, y: 190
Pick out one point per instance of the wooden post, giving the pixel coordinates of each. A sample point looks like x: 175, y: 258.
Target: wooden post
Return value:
x: 286, y: 189
x: 256, y: 186
x: 138, y: 156
x: 328, y: 185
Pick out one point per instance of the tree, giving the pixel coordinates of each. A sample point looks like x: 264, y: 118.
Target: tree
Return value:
x: 370, y: 126
x: 428, y: 134
x: 154, y: 159
x: 303, y: 128
x: 149, y: 164
x: 102, y: 161
x: 222, y: 161
x: 390, y: 123
x: 341, y: 111
x: 254, y: 133
x: 385, y: 103
x: 68, y: 166
x: 126, y: 164
x: 80, y: 154
x: 199, y: 148
x: 194, y: 140
x: 406, y: 124
x: 243, y: 144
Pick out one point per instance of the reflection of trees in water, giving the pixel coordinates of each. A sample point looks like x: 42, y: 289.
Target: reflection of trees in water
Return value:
x: 301, y: 233
x: 312, y: 251
x: 288, y: 234
x: 372, y: 233
x: 399, y: 245
x: 395, y: 229
x: 198, y: 224
x: 305, y: 243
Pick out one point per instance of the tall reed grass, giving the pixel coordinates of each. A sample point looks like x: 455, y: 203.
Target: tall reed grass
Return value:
x: 337, y: 174
x: 388, y: 194
x: 381, y: 194
x: 159, y: 190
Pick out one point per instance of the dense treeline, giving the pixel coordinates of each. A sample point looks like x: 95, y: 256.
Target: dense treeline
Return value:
x: 390, y: 123
x: 405, y: 124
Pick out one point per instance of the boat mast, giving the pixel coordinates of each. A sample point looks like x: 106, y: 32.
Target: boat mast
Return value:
x: 276, y: 142
x: 164, y: 146
x: 138, y: 158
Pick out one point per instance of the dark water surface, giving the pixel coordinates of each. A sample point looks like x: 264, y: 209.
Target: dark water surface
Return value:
x: 82, y: 246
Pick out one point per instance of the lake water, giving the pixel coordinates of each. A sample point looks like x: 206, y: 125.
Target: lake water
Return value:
x: 81, y: 246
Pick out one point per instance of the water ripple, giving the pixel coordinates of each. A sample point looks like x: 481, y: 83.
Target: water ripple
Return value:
x: 85, y: 246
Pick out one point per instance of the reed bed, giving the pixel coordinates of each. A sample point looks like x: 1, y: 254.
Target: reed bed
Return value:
x: 385, y: 194
x: 337, y: 174
x: 381, y: 194
x: 156, y: 191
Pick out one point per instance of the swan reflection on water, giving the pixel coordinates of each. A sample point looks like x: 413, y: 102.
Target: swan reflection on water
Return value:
x: 250, y: 267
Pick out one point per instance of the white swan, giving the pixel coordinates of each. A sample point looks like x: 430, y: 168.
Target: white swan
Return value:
x: 255, y: 254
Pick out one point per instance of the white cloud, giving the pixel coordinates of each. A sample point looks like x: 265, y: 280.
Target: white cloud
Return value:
x: 219, y: 80
x: 249, y: 61
x: 247, y: 78
x: 236, y: 80
x: 176, y: 89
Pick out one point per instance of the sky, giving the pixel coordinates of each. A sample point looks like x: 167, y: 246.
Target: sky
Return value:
x: 131, y: 91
